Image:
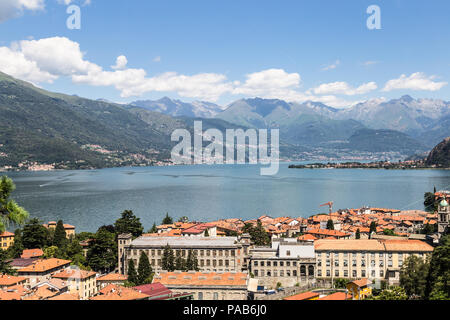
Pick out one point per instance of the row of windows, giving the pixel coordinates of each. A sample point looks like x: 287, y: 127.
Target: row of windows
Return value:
x: 362, y: 255
x: 345, y: 263
x: 282, y: 273
x: 184, y: 252
x: 345, y: 273
x: 275, y: 263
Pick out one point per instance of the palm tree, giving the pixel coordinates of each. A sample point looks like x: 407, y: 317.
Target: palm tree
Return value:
x: 10, y: 211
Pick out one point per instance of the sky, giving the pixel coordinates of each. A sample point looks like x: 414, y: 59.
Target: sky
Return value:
x: 222, y: 51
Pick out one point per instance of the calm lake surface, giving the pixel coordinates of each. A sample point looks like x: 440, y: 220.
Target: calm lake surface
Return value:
x: 89, y: 199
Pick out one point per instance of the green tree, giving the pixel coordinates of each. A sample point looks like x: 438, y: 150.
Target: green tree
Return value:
x: 258, y: 235
x: 168, y: 259
x: 184, y: 219
x: 373, y: 227
x: 340, y: 283
x: 10, y: 211
x: 430, y: 202
x: 50, y: 252
x: 153, y: 229
x: 144, y: 270
x: 129, y: 223
x: 102, y: 254
x: 413, y: 276
x: 438, y: 285
x: 428, y: 229
x: 16, y: 250
x: 167, y: 219
x: 389, y: 232
x: 330, y: 225
x: 5, y: 267
x: 358, y: 234
x: 180, y: 263
x: 206, y: 233
x: 392, y: 293
x: 34, y: 235
x: 60, y: 236
x: 132, y: 274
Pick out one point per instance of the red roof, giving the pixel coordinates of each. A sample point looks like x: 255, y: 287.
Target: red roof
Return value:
x: 154, y: 290
x: 337, y: 296
x: 303, y: 296
x: 32, y: 253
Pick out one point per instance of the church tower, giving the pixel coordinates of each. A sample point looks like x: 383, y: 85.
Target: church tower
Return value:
x: 443, y: 216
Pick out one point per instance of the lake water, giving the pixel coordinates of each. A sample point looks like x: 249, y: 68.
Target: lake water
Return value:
x: 89, y: 199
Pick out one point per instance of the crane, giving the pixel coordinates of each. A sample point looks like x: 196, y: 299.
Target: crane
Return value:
x: 329, y: 204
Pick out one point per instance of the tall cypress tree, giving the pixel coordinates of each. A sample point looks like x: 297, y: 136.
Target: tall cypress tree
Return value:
x: 330, y: 225
x: 358, y: 234
x: 60, y: 237
x: 180, y: 263
x: 168, y: 259
x: 132, y: 274
x: 144, y: 269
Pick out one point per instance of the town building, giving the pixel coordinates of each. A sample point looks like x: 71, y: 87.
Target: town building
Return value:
x: 158, y: 291
x: 443, y: 216
x: 214, y: 254
x: 7, y: 281
x: 288, y: 262
x: 70, y: 230
x: 32, y: 254
x: 6, y: 240
x: 42, y: 270
x: 80, y: 282
x: 113, y: 292
x: 206, y: 285
x: 111, y: 278
x: 360, y: 289
x: 377, y: 260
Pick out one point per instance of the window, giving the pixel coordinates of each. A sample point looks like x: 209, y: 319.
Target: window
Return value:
x: 328, y: 263
x: 336, y: 263
x: 319, y: 273
x: 281, y: 264
x: 255, y: 273
x: 373, y: 274
x: 345, y: 273
x: 294, y: 273
x: 269, y: 274
x: 262, y: 263
x: 288, y: 264
x: 354, y: 274
x: 275, y: 264
x: 363, y: 263
x: 345, y: 263
x: 363, y: 273
x: 354, y: 263
x: 288, y: 253
x: 281, y: 273
x: 255, y: 263
x: 268, y: 263
x: 336, y: 273
x: 381, y: 273
x: 200, y: 296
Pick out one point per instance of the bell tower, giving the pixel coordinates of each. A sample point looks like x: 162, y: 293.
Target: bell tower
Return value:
x: 443, y: 215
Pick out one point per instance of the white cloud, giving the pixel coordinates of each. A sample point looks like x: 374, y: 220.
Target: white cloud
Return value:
x: 157, y: 59
x: 416, y: 81
x: 121, y: 63
x: 344, y: 88
x: 332, y: 66
x: 369, y: 63
x: 268, y: 82
x: 17, y: 65
x: 14, y: 8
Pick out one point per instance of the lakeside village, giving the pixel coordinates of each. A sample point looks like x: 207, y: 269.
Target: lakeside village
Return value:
x: 351, y: 254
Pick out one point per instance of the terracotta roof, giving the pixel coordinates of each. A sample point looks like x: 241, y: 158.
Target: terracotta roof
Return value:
x: 74, y: 274
x: 303, y: 296
x: 337, y: 296
x: 42, y: 293
x: 45, y: 265
x: 201, y: 279
x: 348, y: 245
x: 362, y: 282
x: 6, y: 280
x: 65, y: 297
x: 6, y: 234
x: 326, y: 232
x: 32, y: 253
x: 307, y: 237
x: 113, y: 292
x: 9, y: 295
x: 113, y: 277
x: 407, y: 245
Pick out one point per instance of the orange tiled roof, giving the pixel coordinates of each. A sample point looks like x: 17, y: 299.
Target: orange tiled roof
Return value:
x: 114, y: 292
x: 6, y: 234
x: 361, y: 282
x: 74, y: 274
x: 326, y: 232
x: 337, y: 296
x: 113, y: 277
x: 303, y: 296
x: 7, y: 295
x: 407, y: 245
x: 202, y: 279
x: 32, y: 253
x: 307, y: 237
x: 65, y: 297
x: 45, y: 265
x: 6, y: 280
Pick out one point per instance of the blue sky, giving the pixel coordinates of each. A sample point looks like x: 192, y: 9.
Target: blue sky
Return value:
x: 225, y: 50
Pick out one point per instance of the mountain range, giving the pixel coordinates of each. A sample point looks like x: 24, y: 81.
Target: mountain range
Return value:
x: 73, y: 132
